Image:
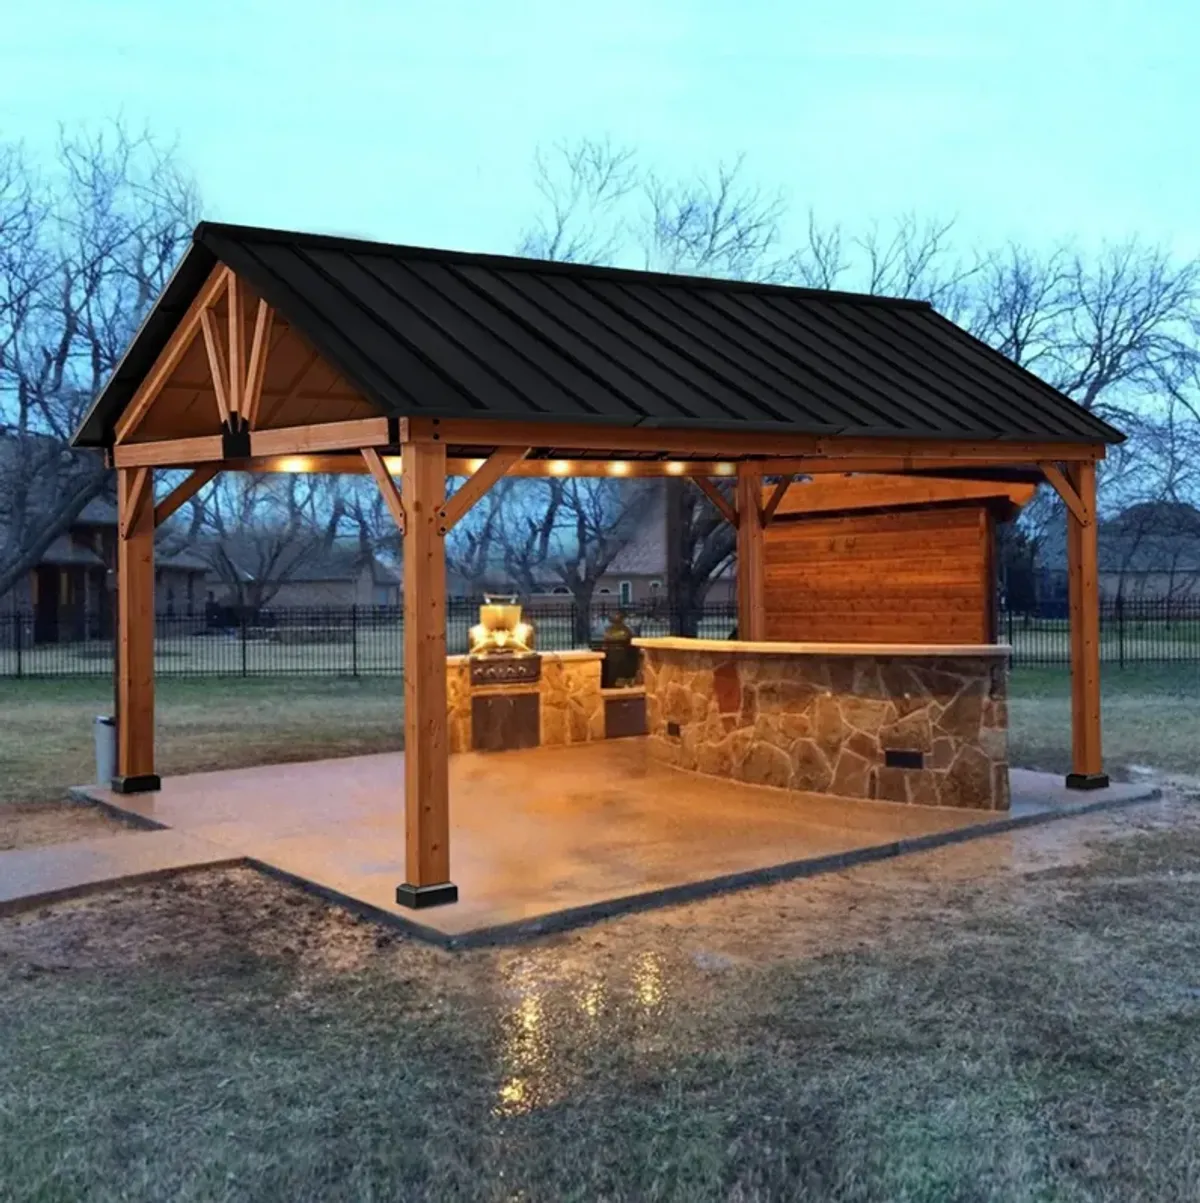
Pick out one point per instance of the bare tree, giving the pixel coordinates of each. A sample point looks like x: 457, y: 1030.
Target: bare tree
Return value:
x: 86, y: 244
x: 582, y: 185
x: 257, y: 532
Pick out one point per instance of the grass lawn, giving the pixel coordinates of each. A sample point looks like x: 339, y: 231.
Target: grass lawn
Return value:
x: 1017, y: 1018
x: 206, y: 723
x: 1150, y: 717
x: 972, y: 1024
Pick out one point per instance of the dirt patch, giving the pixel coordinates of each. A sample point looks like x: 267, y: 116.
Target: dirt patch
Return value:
x: 189, y: 919
x: 33, y: 824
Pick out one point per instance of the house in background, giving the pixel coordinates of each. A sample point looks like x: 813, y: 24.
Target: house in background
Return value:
x: 67, y: 592
x: 1150, y: 551
x: 638, y: 574
x: 636, y: 577
x: 317, y: 577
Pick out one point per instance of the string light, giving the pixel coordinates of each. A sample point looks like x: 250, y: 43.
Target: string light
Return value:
x: 618, y: 467
x: 559, y: 467
x: 294, y: 463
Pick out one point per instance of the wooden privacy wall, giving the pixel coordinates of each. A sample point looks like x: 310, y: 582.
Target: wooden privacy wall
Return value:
x: 908, y: 576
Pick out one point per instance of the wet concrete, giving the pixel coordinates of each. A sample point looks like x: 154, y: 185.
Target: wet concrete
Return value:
x: 546, y: 839
x: 33, y: 876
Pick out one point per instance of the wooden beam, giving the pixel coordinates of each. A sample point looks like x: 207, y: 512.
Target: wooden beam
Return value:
x: 1063, y: 487
x: 481, y: 432
x: 873, y: 491
x: 294, y: 387
x: 1083, y: 582
x: 169, y: 357
x: 752, y: 611
x: 718, y: 499
x: 236, y: 313
x: 781, y: 487
x: 140, y: 490
x: 256, y: 369
x: 183, y: 492
x: 170, y: 453
x: 328, y: 436
x: 387, y: 486
x: 135, y: 633
x: 216, y: 364
x: 426, y: 767
x: 478, y: 483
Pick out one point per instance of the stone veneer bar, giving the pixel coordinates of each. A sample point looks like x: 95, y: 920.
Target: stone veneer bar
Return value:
x: 823, y: 717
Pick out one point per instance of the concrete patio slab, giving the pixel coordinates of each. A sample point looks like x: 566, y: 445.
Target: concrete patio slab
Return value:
x: 550, y: 838
x: 30, y: 877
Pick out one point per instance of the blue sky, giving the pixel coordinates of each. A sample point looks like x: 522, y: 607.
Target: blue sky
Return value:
x: 417, y: 122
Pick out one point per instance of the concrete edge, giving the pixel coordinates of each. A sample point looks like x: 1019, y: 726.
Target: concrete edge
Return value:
x: 356, y: 906
x: 79, y: 793
x: 580, y: 916
x: 31, y: 902
x: 567, y: 920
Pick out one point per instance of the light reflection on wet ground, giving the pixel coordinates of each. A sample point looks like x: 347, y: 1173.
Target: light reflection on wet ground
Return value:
x: 629, y: 987
x: 555, y: 1022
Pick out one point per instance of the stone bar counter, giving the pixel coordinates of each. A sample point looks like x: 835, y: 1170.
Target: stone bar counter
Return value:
x: 898, y: 723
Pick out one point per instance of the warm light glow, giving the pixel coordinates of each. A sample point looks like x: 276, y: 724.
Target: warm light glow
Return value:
x: 559, y: 467
x: 473, y: 465
x: 648, y: 983
x: 591, y: 1001
x: 724, y: 469
x: 392, y: 463
x: 674, y: 468
x: 618, y: 467
x: 500, y: 629
x: 294, y: 463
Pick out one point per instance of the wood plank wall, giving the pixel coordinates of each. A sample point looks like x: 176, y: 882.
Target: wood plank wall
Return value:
x: 909, y: 576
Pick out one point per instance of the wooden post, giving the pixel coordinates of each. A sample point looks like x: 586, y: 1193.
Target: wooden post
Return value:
x: 752, y: 615
x: 426, y: 748
x: 1084, y: 593
x: 135, y: 632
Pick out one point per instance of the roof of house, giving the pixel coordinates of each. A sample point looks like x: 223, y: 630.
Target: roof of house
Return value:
x: 1148, y: 537
x: 334, y: 563
x: 437, y: 333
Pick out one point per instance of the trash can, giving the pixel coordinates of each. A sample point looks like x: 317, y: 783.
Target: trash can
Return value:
x: 106, y: 748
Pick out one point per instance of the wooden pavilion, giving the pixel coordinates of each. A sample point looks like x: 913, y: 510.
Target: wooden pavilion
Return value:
x: 279, y: 352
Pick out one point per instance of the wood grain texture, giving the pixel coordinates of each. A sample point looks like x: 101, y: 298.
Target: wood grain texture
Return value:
x: 914, y: 576
x: 135, y: 625
x: 751, y: 566
x: 1084, y: 606
x: 426, y: 746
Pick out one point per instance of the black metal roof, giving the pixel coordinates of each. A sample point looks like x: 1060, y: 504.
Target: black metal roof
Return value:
x: 449, y: 334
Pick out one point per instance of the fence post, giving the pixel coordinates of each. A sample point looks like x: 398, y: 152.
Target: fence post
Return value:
x: 1008, y: 620
x: 1121, y: 630
x: 242, y: 613
x: 354, y: 639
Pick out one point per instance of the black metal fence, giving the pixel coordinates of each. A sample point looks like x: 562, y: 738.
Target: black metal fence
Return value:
x: 357, y: 641
x: 369, y: 641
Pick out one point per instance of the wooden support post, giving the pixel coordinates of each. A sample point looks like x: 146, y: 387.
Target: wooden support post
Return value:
x: 478, y: 483
x: 781, y: 487
x: 715, y: 495
x: 752, y: 615
x: 135, y: 632
x: 184, y: 492
x: 1087, y: 770
x: 426, y: 747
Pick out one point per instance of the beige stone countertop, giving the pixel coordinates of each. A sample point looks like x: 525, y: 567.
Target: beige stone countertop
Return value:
x: 579, y: 654
x: 744, y: 647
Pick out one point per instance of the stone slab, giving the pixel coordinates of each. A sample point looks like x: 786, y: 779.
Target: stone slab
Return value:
x: 30, y: 877
x: 548, y: 839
